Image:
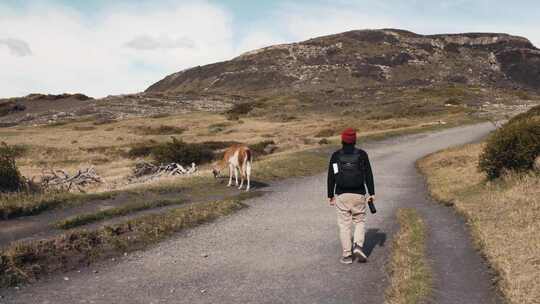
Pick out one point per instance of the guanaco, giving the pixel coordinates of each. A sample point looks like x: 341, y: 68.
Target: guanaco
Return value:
x: 238, y: 158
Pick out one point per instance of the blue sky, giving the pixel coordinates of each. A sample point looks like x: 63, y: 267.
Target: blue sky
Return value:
x: 101, y: 47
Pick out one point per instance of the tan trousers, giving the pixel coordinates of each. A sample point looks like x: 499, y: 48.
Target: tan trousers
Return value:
x: 351, y: 208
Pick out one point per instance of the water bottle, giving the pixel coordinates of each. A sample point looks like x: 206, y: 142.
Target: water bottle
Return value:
x: 371, y: 206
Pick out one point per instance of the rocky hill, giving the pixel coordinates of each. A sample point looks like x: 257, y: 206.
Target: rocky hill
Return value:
x: 376, y: 74
x: 367, y: 59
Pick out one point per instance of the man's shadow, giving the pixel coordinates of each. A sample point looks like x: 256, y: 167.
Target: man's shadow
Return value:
x: 372, y: 239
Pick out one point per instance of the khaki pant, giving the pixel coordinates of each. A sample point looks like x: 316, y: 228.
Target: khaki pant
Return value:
x: 351, y: 208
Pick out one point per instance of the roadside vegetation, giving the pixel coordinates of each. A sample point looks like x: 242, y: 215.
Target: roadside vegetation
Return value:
x: 83, y: 219
x: 503, y: 209
x: 23, y: 262
x: 282, y: 148
x: 18, y: 204
x: 410, y: 274
x: 11, y: 179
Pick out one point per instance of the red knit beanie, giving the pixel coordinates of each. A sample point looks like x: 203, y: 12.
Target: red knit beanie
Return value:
x: 348, y: 136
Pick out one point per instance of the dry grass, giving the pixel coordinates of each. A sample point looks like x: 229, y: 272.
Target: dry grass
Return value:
x: 410, y: 275
x: 78, y: 144
x: 83, y: 219
x: 298, y: 154
x: 286, y: 165
x: 21, y: 204
x: 27, y: 261
x: 504, y: 216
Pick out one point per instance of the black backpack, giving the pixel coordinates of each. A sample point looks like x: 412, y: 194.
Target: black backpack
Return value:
x: 350, y: 170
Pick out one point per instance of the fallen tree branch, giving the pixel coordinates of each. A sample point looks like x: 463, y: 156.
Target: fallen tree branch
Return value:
x: 151, y: 171
x: 61, y: 180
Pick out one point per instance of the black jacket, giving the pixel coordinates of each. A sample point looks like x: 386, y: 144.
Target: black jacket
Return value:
x: 333, y: 189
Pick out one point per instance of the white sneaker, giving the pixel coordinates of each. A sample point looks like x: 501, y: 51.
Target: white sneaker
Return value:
x: 359, y: 253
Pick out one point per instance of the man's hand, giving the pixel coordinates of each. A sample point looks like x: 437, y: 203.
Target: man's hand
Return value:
x: 371, y: 198
x: 332, y: 201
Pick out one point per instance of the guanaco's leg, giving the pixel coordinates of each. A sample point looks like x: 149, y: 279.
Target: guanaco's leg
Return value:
x: 230, y: 175
x: 248, y: 175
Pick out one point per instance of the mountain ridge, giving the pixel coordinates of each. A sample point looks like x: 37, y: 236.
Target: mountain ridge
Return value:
x: 368, y: 58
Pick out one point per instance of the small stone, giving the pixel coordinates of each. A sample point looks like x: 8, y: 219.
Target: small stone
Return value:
x: 66, y: 279
x: 203, y: 290
x: 204, y: 255
x: 95, y: 271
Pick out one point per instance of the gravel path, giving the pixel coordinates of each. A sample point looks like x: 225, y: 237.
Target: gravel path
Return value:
x: 284, y: 248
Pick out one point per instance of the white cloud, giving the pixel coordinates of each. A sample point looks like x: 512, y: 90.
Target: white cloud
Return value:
x: 73, y: 54
x: 146, y: 42
x: 52, y: 49
x: 313, y: 21
x: 17, y: 47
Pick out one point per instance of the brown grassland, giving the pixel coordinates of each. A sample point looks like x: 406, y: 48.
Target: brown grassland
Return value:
x: 503, y: 215
x: 410, y: 274
x: 72, y: 145
x: 79, y: 144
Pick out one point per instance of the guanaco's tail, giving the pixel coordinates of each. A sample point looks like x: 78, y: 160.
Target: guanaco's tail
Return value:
x: 248, y: 155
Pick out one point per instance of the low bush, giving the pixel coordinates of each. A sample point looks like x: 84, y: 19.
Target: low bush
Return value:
x: 324, y: 141
x: 533, y: 112
x: 162, y: 152
x: 161, y: 130
x: 84, y: 128
x: 240, y: 109
x: 325, y: 133
x: 218, y: 145
x: 219, y: 127
x: 515, y: 147
x: 11, y: 179
x: 523, y: 95
x: 14, y: 150
x: 259, y: 148
x: 143, y: 149
x: 178, y: 151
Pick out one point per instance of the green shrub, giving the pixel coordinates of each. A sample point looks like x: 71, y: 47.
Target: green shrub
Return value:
x: 142, y: 149
x: 183, y: 153
x: 533, y: 112
x: 218, y: 145
x: 326, y: 133
x: 259, y: 147
x: 240, y: 109
x: 523, y: 95
x: 11, y: 179
x: 512, y: 147
x: 160, y: 130
x: 324, y: 141
x: 15, y: 150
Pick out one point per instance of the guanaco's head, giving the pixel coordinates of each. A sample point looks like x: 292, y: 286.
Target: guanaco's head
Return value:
x: 216, y: 172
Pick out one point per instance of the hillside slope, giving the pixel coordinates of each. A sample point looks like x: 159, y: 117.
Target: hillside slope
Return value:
x: 351, y: 62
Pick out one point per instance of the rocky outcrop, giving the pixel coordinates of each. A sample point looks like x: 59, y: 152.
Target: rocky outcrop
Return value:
x: 367, y: 59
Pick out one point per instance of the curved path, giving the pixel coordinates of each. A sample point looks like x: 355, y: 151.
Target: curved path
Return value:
x: 285, y: 249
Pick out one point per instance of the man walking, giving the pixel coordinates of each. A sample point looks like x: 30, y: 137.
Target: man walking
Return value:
x: 349, y: 172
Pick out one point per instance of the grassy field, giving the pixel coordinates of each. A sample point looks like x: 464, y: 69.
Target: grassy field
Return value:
x: 503, y: 215
x: 410, y: 274
x: 105, y: 146
x: 66, y: 148
x: 24, y: 262
x: 81, y: 144
x: 85, y: 218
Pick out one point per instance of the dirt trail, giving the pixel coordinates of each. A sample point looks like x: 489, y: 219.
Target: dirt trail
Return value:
x: 284, y: 248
